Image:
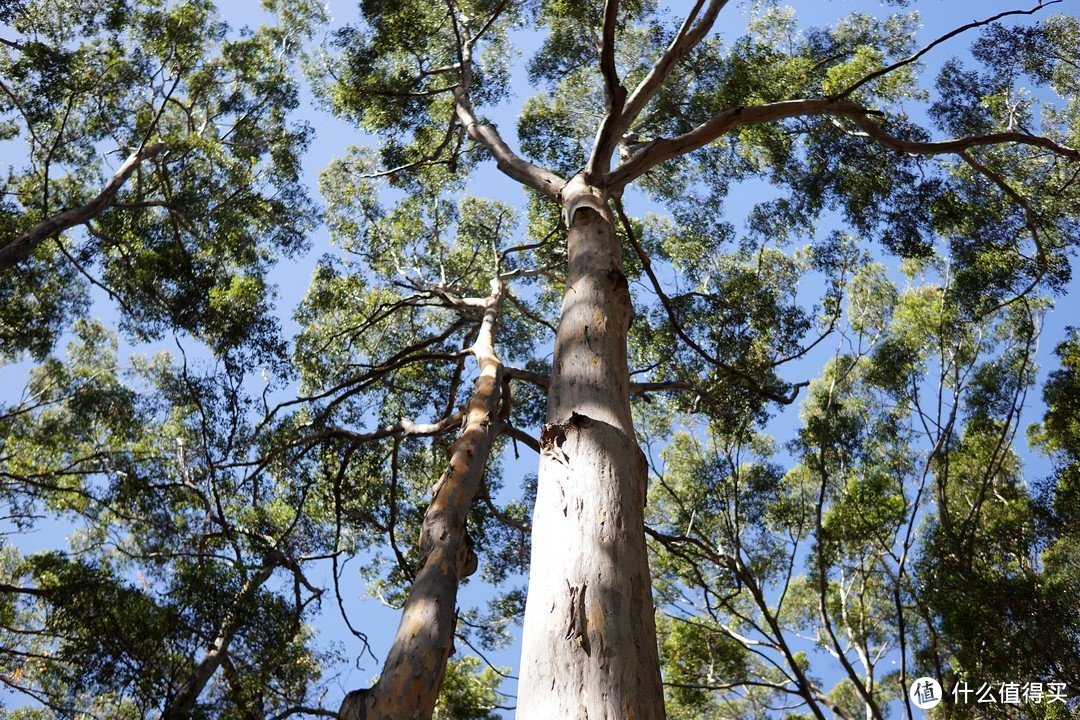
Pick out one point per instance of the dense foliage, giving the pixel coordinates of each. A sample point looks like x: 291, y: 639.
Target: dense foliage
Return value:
x: 840, y: 271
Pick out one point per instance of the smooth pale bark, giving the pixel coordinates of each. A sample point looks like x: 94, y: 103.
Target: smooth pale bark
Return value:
x: 409, y: 684
x: 589, y: 642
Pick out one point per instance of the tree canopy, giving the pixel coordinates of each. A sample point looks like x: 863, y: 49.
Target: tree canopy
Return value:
x: 765, y: 303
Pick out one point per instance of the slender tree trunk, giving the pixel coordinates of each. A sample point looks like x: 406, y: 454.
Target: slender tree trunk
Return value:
x: 589, y: 643
x: 408, y: 687
x: 183, y: 702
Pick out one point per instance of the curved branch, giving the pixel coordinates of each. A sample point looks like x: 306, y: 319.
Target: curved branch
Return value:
x: 1029, y: 214
x: 614, y: 92
x: 521, y: 436
x: 538, y: 178
x: 431, y: 158
x: 930, y: 46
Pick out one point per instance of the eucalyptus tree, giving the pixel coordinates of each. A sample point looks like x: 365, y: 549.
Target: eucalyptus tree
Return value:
x: 389, y: 330
x: 634, y: 98
x: 680, y: 560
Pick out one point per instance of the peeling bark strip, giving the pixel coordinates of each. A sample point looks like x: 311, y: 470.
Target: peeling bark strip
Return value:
x: 408, y: 687
x: 589, y: 642
x: 20, y: 248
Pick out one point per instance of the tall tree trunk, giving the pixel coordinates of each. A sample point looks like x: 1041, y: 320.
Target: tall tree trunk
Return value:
x: 408, y: 687
x: 589, y: 642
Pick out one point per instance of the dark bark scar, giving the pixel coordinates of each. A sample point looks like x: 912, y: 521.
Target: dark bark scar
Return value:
x: 577, y: 629
x: 578, y: 420
x: 552, y: 437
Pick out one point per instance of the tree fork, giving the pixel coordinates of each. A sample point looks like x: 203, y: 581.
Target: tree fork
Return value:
x: 589, y: 642
x: 408, y: 687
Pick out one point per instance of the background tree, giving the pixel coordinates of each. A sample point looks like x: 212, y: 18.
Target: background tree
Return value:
x: 205, y: 193
x: 149, y: 462
x: 890, y: 281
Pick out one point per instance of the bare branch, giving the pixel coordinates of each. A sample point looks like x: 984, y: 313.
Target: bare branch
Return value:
x: 614, y: 92
x: 414, y: 93
x: 521, y: 436
x: 663, y: 386
x: 541, y: 381
x: 181, y: 704
x: 927, y: 48
x: 520, y: 526
x: 17, y: 590
x: 301, y: 710
x: 402, y: 428
x: 636, y: 388
x: 614, y: 96
x: 689, y: 35
x: 538, y: 178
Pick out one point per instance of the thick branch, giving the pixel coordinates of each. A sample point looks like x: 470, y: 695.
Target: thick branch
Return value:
x: 614, y: 96
x: 17, y: 590
x: 665, y: 148
x: 689, y: 35
x: 612, y: 85
x: 523, y: 437
x: 540, y: 179
x: 20, y: 248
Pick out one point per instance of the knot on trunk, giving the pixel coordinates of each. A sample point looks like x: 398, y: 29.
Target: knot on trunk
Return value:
x: 552, y: 435
x: 467, y: 562
x: 356, y: 705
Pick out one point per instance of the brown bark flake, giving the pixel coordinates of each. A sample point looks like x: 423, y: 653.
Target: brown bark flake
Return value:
x: 577, y: 628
